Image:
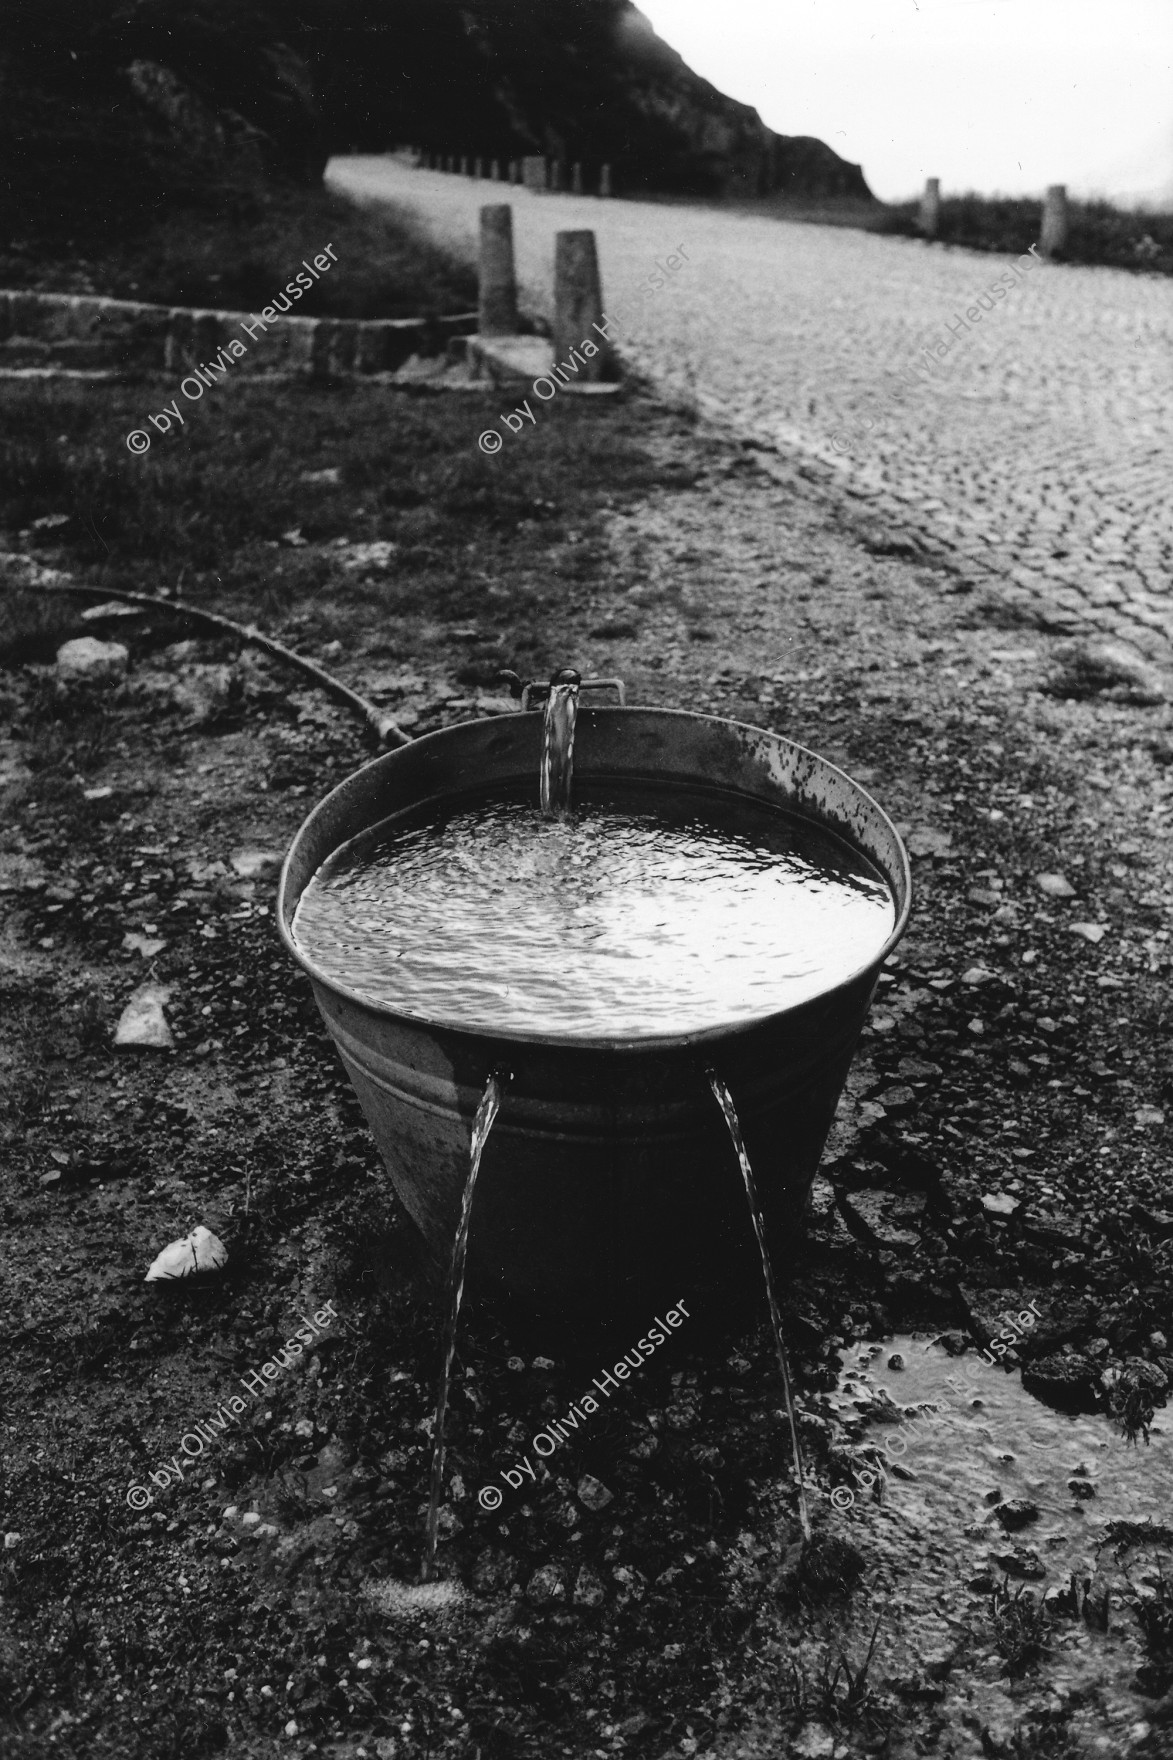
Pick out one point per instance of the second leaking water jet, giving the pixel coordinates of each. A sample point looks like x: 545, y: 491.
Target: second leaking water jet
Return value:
x: 483, y: 1123
x: 724, y: 1100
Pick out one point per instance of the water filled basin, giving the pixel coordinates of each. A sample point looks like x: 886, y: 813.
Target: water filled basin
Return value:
x: 538, y: 950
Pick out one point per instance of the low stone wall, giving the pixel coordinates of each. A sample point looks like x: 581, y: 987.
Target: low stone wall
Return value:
x: 83, y: 331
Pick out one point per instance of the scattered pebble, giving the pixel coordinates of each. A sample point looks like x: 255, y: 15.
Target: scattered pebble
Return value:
x: 87, y: 661
x: 147, y: 945
x: 198, y: 1251
x: 593, y: 1493
x: 142, y: 1023
x: 254, y: 864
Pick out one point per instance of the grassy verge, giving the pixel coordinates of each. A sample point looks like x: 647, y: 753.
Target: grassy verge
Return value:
x: 211, y: 513
x: 236, y: 246
x: 1098, y: 232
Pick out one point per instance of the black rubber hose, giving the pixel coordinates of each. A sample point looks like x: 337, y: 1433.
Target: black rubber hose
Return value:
x: 385, y: 727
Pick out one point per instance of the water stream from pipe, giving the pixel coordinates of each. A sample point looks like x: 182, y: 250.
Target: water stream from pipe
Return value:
x: 558, y: 724
x: 724, y: 1100
x: 487, y: 1112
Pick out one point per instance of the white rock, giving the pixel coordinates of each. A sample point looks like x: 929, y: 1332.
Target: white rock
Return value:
x: 198, y: 1251
x: 254, y: 864
x: 86, y: 660
x: 1055, y: 885
x: 142, y: 1022
x: 136, y: 943
x: 1093, y: 932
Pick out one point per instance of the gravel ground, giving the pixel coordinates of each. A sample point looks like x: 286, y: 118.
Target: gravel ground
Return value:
x: 1005, y: 1136
x: 1037, y: 455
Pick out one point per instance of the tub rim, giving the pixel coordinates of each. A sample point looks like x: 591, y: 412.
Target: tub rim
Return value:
x: 653, y: 1043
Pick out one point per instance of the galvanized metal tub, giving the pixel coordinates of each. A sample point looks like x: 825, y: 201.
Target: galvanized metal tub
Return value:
x: 608, y: 1183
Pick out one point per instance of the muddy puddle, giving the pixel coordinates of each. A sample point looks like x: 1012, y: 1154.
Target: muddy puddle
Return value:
x: 978, y: 1492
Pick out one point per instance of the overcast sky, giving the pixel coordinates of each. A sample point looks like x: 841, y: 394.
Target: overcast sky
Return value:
x: 993, y: 95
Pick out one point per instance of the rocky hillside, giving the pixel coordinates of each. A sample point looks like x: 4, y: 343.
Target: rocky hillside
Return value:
x: 113, y: 113
x: 584, y: 80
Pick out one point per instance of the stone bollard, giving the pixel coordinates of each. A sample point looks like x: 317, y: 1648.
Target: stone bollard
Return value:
x: 533, y: 171
x: 495, y: 171
x: 479, y: 167
x: 605, y: 181
x: 498, y: 283
x: 1053, y: 237
x: 930, y: 207
x: 578, y: 303
x: 463, y: 165
x: 555, y: 174
x: 576, y: 180
x: 515, y: 171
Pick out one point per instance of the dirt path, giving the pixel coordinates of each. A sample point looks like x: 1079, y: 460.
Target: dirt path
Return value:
x: 1005, y: 1136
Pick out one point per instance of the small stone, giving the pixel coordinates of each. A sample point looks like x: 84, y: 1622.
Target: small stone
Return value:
x: 144, y: 944
x: 251, y: 1519
x: 1066, y: 1383
x: 1093, y: 932
x: 895, y: 1361
x: 1020, y: 1561
x: 1017, y: 1513
x: 1081, y: 1489
x: 927, y: 841
x: 11, y: 1541
x: 199, y: 1251
x: 142, y: 1023
x: 86, y: 661
x: 897, y: 1099
x: 593, y: 1493
x: 546, y: 1585
x: 589, y: 1589
x: 976, y: 975
x: 1147, y: 1115
x: 1000, y: 1204
x: 1055, y: 885
x: 914, y: 1069
x: 255, y: 864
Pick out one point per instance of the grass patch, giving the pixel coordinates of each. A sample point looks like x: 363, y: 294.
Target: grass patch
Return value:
x: 1097, y: 231
x: 259, y: 506
x: 238, y: 248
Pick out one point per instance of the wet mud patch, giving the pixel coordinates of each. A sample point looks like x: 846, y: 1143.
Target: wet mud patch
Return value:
x: 1038, y: 1541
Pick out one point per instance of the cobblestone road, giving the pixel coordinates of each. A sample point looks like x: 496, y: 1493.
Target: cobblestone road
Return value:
x: 1040, y: 455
